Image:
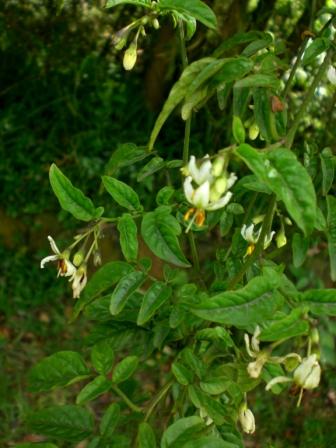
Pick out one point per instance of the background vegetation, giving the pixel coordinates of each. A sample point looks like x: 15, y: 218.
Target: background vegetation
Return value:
x: 66, y: 98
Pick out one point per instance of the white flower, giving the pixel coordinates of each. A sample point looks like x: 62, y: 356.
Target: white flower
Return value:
x: 199, y: 174
x: 254, y: 368
x: 79, y: 280
x: 65, y: 267
x: 252, y: 236
x: 308, y: 374
x: 246, y: 419
x: 331, y: 74
x: 200, y: 197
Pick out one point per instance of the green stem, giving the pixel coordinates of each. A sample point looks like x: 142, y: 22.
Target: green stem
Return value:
x: 194, y: 252
x: 266, y: 228
x: 295, y: 66
x: 157, y: 399
x: 186, y: 140
x: 310, y: 94
x: 129, y: 403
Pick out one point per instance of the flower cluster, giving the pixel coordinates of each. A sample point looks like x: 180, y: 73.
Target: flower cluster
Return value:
x: 252, y: 236
x: 206, y: 187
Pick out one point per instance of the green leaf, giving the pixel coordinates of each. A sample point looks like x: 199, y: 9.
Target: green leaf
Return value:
x: 71, y: 198
x: 146, y: 436
x: 109, y: 421
x: 183, y: 375
x: 258, y: 80
x: 239, y: 39
x: 36, y: 445
x: 257, y: 45
x: 153, y: 299
x: 103, y: 279
x: 288, y: 179
x: 128, y: 237
x: 154, y: 165
x: 160, y: 230
x: 195, y: 8
x: 145, y: 3
x: 320, y: 301
x: 124, y: 369
x: 254, y: 303
x: 318, y: 46
x: 165, y: 195
x: 126, y: 286
x: 58, y: 370
x: 263, y: 114
x: 328, y: 170
x: 69, y: 422
x: 181, y: 431
x: 288, y: 327
x: 331, y: 234
x: 215, y: 385
x: 176, y: 95
x: 300, y: 246
x: 92, y: 390
x: 102, y: 357
x: 238, y: 130
x: 209, y: 442
x: 214, y: 409
x: 122, y: 193
x: 126, y: 154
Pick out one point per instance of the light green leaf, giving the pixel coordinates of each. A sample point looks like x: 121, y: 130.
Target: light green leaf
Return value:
x: 69, y: 422
x: 165, y: 195
x: 128, y: 237
x: 102, y: 357
x: 153, y: 299
x: 195, y: 8
x: 122, y: 193
x: 258, y: 80
x: 146, y: 436
x: 287, y: 178
x: 126, y: 154
x: 58, y: 370
x: 154, y: 165
x: 209, y: 442
x: 109, y: 421
x: 160, y: 230
x: 176, y: 95
x: 126, y: 286
x: 112, y: 3
x: 238, y: 130
x: 71, y: 198
x: 215, y: 385
x: 320, y: 301
x: 183, y: 375
x: 250, y: 305
x: 181, y: 431
x: 92, y: 390
x: 288, y: 327
x: 239, y: 39
x: 263, y: 114
x: 124, y: 369
x: 331, y: 234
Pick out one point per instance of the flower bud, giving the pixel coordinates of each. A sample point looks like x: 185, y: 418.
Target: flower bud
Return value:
x: 308, y: 374
x: 281, y: 239
x: 314, y: 336
x: 119, y: 39
x: 130, y: 57
x: 156, y: 23
x: 97, y: 261
x: 217, y: 166
x: 246, y: 419
x: 253, y: 131
x: 78, y: 258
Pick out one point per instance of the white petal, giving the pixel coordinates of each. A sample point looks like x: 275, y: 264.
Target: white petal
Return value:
x: 268, y: 239
x: 231, y: 180
x: 188, y: 189
x: 255, y: 339
x: 193, y: 170
x: 53, y: 245
x: 277, y: 380
x: 220, y: 203
x: 71, y: 269
x: 247, y: 345
x: 248, y: 233
x: 202, y: 196
x: 243, y: 231
x: 331, y: 74
x: 205, y: 172
x: 47, y: 259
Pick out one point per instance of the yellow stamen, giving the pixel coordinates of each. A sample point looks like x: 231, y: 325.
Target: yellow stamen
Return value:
x: 189, y: 213
x: 200, y: 217
x: 62, y: 266
x: 250, y: 249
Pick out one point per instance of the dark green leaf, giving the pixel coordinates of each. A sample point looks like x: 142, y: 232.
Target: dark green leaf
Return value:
x: 69, y: 422
x: 126, y: 286
x: 195, y: 8
x: 154, y: 165
x: 263, y: 114
x: 209, y: 442
x: 250, y: 305
x: 258, y: 80
x: 239, y: 39
x: 71, y: 198
x: 320, y: 301
x: 165, y: 195
x: 328, y: 170
x: 92, y: 390
x: 128, y: 237
x: 124, y: 369
x: 181, y: 431
x: 288, y: 179
x: 102, y: 357
x: 122, y: 193
x: 126, y: 154
x: 60, y: 369
x: 214, y: 409
x: 300, y: 246
x: 146, y: 436
x: 153, y: 299
x: 109, y: 421
x: 287, y: 327
x: 160, y: 230
x: 183, y: 375
x: 111, y: 3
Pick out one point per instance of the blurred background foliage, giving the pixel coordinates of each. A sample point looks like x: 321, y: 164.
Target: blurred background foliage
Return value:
x: 65, y: 98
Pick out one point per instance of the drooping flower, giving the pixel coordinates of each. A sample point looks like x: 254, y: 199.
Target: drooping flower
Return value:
x: 308, y: 374
x: 254, y: 368
x: 252, y: 236
x: 65, y: 267
x: 246, y: 419
x: 79, y: 280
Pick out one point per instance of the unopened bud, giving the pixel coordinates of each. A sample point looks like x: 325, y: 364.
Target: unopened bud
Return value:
x: 156, y: 23
x: 281, y: 239
x: 217, y: 166
x: 119, y: 39
x: 315, y: 336
x: 130, y: 57
x: 246, y: 419
x: 308, y: 374
x: 253, y: 131
x: 97, y: 261
x: 258, y: 219
x: 66, y: 254
x: 254, y: 368
x: 78, y: 258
